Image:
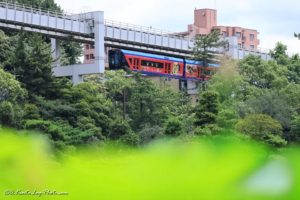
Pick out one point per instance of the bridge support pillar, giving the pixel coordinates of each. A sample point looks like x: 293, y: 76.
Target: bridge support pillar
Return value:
x: 56, y: 52
x: 99, y: 31
x: 76, y: 78
x: 77, y: 71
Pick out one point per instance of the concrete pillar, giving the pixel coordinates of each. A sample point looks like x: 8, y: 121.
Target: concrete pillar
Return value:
x: 56, y: 53
x: 99, y: 40
x: 76, y: 79
x: 77, y: 71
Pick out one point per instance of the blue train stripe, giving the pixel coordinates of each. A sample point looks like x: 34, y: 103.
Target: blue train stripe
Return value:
x: 167, y: 58
x: 148, y: 55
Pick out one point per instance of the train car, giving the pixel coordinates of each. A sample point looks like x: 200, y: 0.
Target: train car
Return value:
x: 193, y: 69
x: 152, y: 64
x: 146, y: 63
x: 209, y: 71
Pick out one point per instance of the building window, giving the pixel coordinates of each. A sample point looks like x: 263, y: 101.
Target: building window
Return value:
x: 92, y: 46
x: 244, y: 37
x: 238, y: 34
x: 240, y: 46
x: 251, y: 37
x: 92, y: 56
x: 87, y: 46
x: 224, y: 34
x: 87, y: 57
x: 252, y: 46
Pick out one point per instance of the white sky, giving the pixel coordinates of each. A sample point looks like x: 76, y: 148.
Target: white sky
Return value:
x: 276, y: 20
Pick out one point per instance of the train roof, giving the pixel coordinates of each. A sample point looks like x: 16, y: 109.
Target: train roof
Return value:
x: 193, y: 62
x: 149, y: 55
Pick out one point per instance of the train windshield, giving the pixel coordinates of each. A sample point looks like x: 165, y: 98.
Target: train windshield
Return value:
x: 114, y: 60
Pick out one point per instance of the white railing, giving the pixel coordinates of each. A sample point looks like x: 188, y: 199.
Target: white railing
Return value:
x: 29, y: 8
x: 141, y: 28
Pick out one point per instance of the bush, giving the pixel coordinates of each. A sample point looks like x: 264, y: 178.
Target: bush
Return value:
x: 263, y: 128
x: 119, y: 128
x: 295, y: 129
x: 6, y: 113
x: 149, y: 133
x: 206, y: 118
x: 131, y: 139
x: 54, y: 131
x: 208, y: 130
x: 31, y: 112
x: 227, y: 118
x: 173, y: 127
x: 62, y: 131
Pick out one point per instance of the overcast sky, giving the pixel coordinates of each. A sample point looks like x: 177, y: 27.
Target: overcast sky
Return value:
x: 276, y: 20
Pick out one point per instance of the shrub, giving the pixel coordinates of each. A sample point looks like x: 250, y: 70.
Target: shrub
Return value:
x: 119, y: 128
x: 173, y: 127
x: 263, y: 128
x: 131, y: 139
x: 208, y: 130
x: 149, y: 133
x: 6, y: 113
x: 227, y: 118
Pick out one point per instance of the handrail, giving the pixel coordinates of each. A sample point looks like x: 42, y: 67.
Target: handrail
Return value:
x: 141, y: 28
x: 54, y: 13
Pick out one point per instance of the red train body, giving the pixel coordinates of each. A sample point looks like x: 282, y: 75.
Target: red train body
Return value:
x: 158, y: 65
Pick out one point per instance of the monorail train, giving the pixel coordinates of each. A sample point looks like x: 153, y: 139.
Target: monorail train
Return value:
x: 158, y: 65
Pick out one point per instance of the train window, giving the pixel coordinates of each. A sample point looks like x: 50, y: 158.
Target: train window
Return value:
x: 207, y: 72
x: 124, y: 60
x: 116, y: 60
x: 152, y: 64
x: 130, y: 60
x: 168, y: 68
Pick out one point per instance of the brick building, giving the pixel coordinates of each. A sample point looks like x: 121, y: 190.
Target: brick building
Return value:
x: 205, y: 20
x: 88, y: 54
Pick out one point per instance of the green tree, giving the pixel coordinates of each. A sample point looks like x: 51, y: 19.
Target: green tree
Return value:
x: 279, y: 54
x: 204, y: 47
x: 295, y: 129
x: 263, y: 74
x: 227, y: 82
x: 271, y: 103
x: 44, y: 4
x: 207, y: 109
x: 71, y: 52
x: 119, y: 89
x: 294, y: 69
x: 12, y: 96
x: 32, y: 65
x: 5, y: 49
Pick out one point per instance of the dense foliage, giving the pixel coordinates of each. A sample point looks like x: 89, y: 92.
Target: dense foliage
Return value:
x: 256, y: 98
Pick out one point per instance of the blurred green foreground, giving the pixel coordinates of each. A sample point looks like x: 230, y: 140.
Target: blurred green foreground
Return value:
x: 168, y: 169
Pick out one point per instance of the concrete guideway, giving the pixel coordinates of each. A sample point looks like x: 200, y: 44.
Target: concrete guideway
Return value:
x: 89, y: 28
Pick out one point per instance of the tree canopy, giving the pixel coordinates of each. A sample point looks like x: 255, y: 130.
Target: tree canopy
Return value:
x: 205, y: 47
